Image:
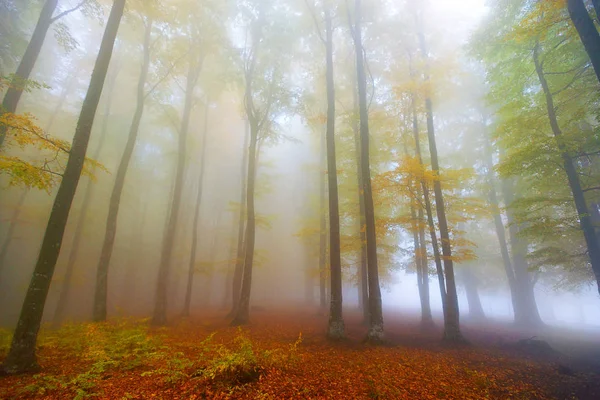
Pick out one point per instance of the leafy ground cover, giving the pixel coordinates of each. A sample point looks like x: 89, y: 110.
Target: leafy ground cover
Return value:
x: 284, y: 355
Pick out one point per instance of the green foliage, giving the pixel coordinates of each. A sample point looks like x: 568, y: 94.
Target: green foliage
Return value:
x: 245, y: 363
x: 121, y: 345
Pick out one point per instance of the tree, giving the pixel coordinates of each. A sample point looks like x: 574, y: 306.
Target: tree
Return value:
x: 336, y: 321
x: 451, y: 313
x: 264, y: 62
x: 240, y: 248
x: 63, y: 298
x: 190, y: 277
x: 585, y: 220
x: 587, y: 31
x: 519, y: 280
x: 375, y: 333
x: 102, y: 269
x: 159, y: 317
x: 21, y: 76
x: 21, y: 356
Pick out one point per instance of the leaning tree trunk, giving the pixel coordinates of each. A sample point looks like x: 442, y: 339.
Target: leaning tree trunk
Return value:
x: 451, y: 313
x: 22, y: 357
x: 159, y: 317
x: 375, y: 333
x: 336, y: 321
x: 239, y: 259
x: 190, y: 276
x: 101, y: 290
x: 363, y: 279
x: 65, y: 291
x: 587, y: 31
x: 585, y: 220
x: 23, y: 72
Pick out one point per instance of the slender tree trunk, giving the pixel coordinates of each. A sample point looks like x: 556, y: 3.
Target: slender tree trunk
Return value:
x: 587, y: 31
x: 470, y: 282
x: 21, y: 356
x: 585, y: 221
x: 363, y: 280
x: 11, y: 228
x: 375, y: 333
x: 160, y: 306
x: 239, y: 260
x: 101, y: 290
x: 190, y: 277
x: 212, y: 259
x: 519, y: 280
x: 322, y: 227
x: 66, y: 89
x: 451, y: 315
x: 336, y: 321
x: 65, y: 291
x: 424, y: 194
x: 242, y: 314
x: 15, y: 90
x: 427, y: 319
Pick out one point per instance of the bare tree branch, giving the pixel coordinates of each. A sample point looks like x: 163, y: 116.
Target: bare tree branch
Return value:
x: 67, y: 12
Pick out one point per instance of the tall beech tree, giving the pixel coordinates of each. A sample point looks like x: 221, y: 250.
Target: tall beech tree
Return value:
x: 102, y: 269
x: 159, y: 316
x: 451, y: 314
x: 22, y: 354
x: 65, y: 291
x: 240, y: 248
x: 336, y: 321
x: 190, y: 277
x: 375, y: 333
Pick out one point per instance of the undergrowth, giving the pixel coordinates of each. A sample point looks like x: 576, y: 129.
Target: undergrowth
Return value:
x: 126, y: 345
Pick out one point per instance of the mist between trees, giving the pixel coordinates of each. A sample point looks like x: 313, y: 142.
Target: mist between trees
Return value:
x: 160, y: 158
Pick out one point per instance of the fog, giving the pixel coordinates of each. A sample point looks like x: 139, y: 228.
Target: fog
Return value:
x: 472, y: 108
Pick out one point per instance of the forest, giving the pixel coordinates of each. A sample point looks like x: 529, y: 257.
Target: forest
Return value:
x: 312, y: 199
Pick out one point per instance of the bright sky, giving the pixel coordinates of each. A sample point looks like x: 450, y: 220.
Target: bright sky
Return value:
x: 461, y: 15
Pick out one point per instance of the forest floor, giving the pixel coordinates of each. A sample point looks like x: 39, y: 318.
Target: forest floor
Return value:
x: 285, y: 355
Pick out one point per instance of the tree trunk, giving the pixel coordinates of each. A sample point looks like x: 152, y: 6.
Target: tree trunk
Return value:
x: 65, y: 291
x: 363, y: 280
x: 424, y: 194
x: 451, y: 314
x: 101, y: 289
x: 336, y: 322
x: 66, y: 89
x: 519, y: 279
x: 11, y: 228
x: 242, y: 314
x: 470, y: 282
x: 375, y: 333
x: 587, y: 31
x: 21, y: 356
x: 585, y: 221
x: 322, y: 227
x: 596, y: 4
x: 159, y: 317
x: 190, y: 277
x: 239, y: 260
x: 15, y: 90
